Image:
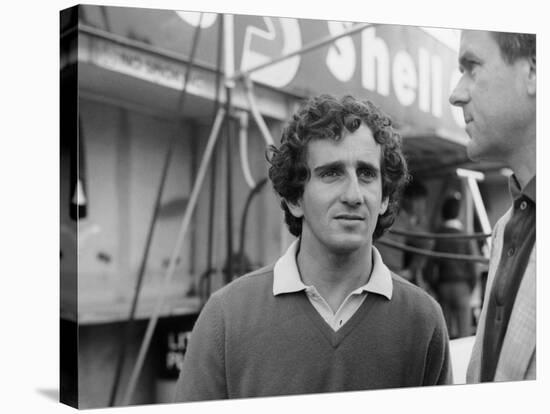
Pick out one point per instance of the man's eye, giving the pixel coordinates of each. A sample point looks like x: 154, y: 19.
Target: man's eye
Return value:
x: 329, y: 173
x: 469, y: 65
x: 367, y: 174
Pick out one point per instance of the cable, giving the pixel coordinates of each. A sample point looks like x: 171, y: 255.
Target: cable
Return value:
x: 430, y: 253
x: 427, y: 235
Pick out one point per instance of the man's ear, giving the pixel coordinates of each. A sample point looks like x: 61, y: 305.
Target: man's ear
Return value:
x: 384, y: 205
x: 295, y: 208
x: 532, y: 76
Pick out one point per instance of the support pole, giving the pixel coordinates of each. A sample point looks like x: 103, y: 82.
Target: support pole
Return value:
x: 229, y: 56
x: 156, y: 206
x: 206, y: 277
x: 472, y: 177
x: 171, y: 268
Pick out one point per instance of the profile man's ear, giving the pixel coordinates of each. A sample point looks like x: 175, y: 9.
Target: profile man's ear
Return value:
x: 295, y: 208
x: 532, y: 76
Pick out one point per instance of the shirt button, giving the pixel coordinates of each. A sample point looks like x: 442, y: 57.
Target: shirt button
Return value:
x: 523, y: 205
x: 511, y: 251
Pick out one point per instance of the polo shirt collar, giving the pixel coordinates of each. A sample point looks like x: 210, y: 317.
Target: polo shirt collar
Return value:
x: 530, y: 190
x: 286, y: 277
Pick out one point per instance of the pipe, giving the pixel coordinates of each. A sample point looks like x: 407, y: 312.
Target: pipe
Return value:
x: 243, y: 149
x: 105, y: 17
x: 139, y: 45
x: 256, y: 112
x: 255, y: 190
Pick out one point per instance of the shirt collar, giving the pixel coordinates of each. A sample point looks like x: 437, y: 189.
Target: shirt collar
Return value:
x: 286, y: 277
x: 530, y: 190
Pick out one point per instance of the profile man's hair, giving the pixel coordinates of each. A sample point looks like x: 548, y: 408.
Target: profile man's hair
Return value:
x: 514, y: 46
x: 326, y: 117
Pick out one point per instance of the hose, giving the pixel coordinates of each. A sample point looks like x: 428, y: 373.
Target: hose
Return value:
x: 242, y: 235
x: 243, y: 149
x: 248, y: 85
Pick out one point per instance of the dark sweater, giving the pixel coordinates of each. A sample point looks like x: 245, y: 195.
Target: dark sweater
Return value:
x: 249, y: 343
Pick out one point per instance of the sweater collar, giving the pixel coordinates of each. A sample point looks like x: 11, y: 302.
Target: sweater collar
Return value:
x: 286, y: 277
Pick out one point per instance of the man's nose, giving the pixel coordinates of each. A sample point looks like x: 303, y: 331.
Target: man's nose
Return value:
x: 352, y: 192
x: 459, y: 95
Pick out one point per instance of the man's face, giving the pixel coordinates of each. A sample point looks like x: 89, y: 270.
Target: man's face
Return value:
x: 496, y: 97
x: 343, y: 197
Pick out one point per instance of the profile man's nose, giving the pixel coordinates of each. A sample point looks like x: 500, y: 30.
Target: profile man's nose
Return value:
x: 453, y: 98
x: 459, y: 96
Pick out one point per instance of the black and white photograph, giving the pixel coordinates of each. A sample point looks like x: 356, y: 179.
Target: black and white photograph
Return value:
x: 270, y: 210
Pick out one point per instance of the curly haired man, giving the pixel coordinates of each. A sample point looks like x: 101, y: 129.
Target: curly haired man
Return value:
x: 328, y: 315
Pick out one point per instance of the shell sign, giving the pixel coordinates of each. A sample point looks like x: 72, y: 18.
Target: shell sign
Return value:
x: 404, y: 69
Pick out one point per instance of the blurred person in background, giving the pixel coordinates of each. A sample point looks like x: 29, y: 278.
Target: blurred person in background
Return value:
x: 328, y: 316
x: 415, y: 196
x: 497, y: 94
x: 453, y: 281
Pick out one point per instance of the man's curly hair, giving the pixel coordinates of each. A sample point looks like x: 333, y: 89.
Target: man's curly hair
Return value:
x: 326, y: 117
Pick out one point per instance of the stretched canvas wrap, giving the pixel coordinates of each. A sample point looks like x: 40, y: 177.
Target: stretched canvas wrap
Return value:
x: 166, y: 117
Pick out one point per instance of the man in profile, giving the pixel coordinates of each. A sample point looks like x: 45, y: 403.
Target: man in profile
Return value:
x: 328, y: 316
x: 497, y: 93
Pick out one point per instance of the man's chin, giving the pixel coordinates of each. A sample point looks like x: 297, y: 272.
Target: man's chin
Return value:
x: 473, y: 150
x: 348, y: 245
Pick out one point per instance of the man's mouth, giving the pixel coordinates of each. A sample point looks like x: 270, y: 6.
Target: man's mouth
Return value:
x: 350, y: 217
